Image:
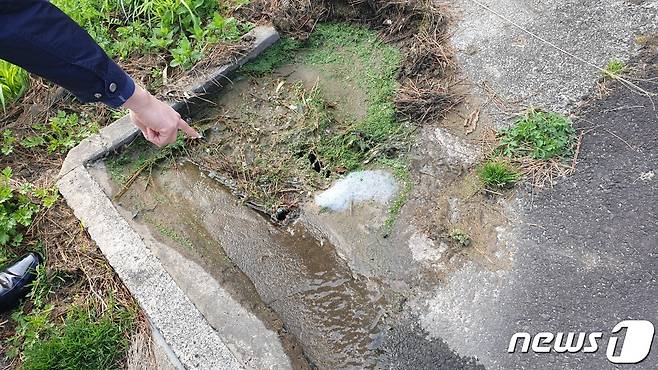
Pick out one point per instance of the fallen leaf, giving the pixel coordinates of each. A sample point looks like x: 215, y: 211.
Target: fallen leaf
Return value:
x: 471, y: 122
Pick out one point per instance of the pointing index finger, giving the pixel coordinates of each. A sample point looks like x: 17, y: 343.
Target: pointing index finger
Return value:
x: 189, y: 131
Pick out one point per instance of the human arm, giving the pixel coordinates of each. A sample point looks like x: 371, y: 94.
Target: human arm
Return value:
x: 39, y: 37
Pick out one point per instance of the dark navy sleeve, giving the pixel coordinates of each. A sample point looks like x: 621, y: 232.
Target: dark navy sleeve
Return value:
x: 39, y: 37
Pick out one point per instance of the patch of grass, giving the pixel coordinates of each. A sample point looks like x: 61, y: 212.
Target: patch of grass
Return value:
x: 312, y: 138
x: 498, y: 174
x: 181, y: 28
x: 538, y: 135
x: 461, y: 238
x: 85, y: 339
x: 402, y: 173
x: 13, y: 83
x: 614, y: 68
x: 358, y: 55
x: 274, y: 57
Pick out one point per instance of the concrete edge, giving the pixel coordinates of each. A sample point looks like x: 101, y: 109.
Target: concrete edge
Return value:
x: 196, y: 344
x: 264, y: 37
x: 165, y: 357
x: 123, y: 131
x: 184, y: 332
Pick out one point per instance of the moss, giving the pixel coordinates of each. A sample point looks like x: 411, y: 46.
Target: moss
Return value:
x: 174, y: 235
x: 401, y: 171
x: 272, y: 58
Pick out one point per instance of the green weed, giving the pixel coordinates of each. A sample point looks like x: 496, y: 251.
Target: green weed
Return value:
x: 16, y: 210
x: 118, y: 113
x: 7, y: 142
x: 42, y: 287
x: 84, y: 340
x: 174, y: 235
x: 614, y: 68
x: 498, y: 174
x: 30, y: 329
x: 63, y: 132
x: 181, y: 27
x: 116, y: 166
x: 461, y: 238
x: 18, y: 205
x: 185, y: 54
x: 6, y: 256
x: 13, y: 83
x: 538, y: 135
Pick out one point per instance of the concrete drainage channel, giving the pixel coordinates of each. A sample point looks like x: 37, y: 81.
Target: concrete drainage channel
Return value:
x: 223, y: 287
x: 181, y: 330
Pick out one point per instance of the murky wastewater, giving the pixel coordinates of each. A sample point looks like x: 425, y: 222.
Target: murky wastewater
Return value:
x: 298, y: 278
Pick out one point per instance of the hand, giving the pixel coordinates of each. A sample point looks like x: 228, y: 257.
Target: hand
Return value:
x: 158, y: 122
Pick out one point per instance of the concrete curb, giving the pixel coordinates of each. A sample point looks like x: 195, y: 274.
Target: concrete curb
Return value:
x: 123, y: 131
x: 184, y: 331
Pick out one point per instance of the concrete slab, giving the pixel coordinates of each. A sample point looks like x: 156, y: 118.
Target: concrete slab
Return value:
x: 522, y: 68
x: 195, y: 343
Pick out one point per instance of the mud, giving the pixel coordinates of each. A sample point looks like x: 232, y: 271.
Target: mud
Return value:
x: 259, y: 128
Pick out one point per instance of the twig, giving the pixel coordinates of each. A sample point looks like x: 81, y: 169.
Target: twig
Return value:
x: 471, y: 122
x: 618, y: 137
x: 577, y: 152
x: 131, y: 180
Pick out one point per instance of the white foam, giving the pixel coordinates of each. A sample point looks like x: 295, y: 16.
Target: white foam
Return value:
x: 361, y: 186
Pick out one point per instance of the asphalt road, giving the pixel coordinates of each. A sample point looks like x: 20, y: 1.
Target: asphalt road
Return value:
x: 589, y: 254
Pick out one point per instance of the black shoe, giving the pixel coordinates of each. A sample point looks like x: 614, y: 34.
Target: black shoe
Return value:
x: 16, y: 278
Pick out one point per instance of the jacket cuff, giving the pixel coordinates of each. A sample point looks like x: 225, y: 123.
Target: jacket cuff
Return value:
x: 118, y: 88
